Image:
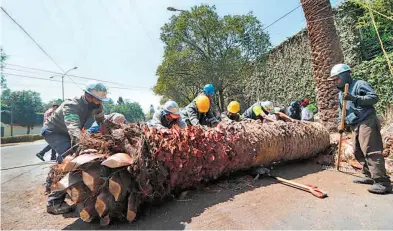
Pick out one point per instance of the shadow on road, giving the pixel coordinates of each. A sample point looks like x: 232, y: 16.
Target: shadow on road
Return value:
x: 174, y: 214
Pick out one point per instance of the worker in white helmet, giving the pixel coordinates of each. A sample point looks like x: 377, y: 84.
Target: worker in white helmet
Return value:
x: 116, y: 118
x: 362, y: 119
x: 265, y: 112
x: 63, y: 129
x: 167, y: 117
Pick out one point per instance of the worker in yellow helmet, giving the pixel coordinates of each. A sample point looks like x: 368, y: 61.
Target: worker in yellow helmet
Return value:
x: 232, y: 112
x: 265, y: 111
x: 198, y: 113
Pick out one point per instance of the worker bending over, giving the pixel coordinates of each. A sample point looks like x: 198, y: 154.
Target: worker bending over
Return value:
x: 232, y: 112
x: 167, y: 117
x: 197, y: 112
x: 362, y: 119
x: 63, y: 129
x: 116, y: 118
x: 265, y: 112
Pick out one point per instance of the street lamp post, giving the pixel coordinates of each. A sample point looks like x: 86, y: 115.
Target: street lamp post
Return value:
x: 173, y: 9
x: 62, y: 79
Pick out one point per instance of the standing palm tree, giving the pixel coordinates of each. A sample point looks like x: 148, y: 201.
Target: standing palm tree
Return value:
x: 326, y: 51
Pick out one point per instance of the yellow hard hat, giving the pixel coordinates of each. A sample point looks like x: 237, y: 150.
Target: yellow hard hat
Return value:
x: 203, y: 103
x: 233, y: 107
x: 257, y: 110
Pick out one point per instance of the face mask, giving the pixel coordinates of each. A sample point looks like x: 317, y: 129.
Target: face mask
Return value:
x: 92, y: 106
x: 345, y: 78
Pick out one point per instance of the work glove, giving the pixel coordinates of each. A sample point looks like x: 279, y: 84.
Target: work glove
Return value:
x: 348, y: 96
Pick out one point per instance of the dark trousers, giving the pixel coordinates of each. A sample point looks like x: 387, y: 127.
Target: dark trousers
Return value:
x: 367, y: 139
x: 61, y: 143
x: 46, y: 149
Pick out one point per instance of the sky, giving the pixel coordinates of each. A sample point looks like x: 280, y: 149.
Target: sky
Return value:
x: 111, y: 40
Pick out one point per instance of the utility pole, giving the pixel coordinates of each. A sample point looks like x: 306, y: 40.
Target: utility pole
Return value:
x: 62, y: 79
x: 12, y: 116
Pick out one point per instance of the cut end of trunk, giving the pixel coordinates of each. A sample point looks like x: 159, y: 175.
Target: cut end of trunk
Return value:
x: 91, y: 179
x: 85, y: 216
x: 130, y: 215
x: 115, y: 188
x: 100, y: 207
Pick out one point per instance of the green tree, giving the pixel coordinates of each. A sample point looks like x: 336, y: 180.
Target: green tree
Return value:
x: 120, y: 100
x: 370, y: 46
x: 108, y: 106
x: 201, y: 48
x: 23, y: 106
x: 3, y: 58
x: 131, y: 110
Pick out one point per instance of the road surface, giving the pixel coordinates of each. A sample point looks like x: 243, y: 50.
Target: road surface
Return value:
x: 235, y: 202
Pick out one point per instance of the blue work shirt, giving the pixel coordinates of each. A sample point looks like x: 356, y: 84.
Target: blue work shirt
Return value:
x: 363, y: 106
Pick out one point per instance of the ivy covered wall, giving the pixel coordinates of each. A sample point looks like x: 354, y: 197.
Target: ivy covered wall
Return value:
x: 287, y: 73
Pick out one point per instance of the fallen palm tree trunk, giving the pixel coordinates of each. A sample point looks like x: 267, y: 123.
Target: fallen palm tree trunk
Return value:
x: 141, y: 165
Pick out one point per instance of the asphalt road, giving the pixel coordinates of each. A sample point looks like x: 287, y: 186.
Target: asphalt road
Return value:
x: 230, y: 203
x: 19, y: 155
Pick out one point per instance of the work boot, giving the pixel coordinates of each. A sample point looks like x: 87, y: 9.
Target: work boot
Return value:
x: 59, y: 208
x: 40, y: 156
x: 363, y: 180
x: 381, y: 188
x: 53, y: 158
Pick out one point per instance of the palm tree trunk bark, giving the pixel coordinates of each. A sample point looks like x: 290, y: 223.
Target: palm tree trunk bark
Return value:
x: 326, y: 51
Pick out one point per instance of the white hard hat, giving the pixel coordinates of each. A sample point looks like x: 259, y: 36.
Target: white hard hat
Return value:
x: 338, y: 69
x: 268, y: 106
x: 116, y: 118
x: 171, y: 107
x: 97, y: 90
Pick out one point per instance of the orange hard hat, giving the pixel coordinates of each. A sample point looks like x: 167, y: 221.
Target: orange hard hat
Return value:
x: 203, y: 103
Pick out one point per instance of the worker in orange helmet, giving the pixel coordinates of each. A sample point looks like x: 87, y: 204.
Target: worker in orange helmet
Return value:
x: 197, y: 112
x: 232, y: 112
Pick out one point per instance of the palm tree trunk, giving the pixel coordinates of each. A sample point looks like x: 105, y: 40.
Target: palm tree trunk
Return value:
x: 326, y: 51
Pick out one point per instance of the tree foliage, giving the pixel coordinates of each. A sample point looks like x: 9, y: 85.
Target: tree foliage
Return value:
x: 369, y: 41
x: 3, y: 58
x: 120, y: 100
x: 26, y: 107
x: 202, y: 47
x: 131, y: 110
x: 108, y: 106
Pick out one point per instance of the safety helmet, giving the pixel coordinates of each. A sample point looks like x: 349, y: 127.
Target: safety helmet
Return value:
x: 233, y: 107
x: 338, y: 69
x: 268, y: 106
x: 116, y: 118
x: 306, y: 100
x: 171, y: 107
x: 209, y: 89
x: 202, y: 103
x: 97, y: 90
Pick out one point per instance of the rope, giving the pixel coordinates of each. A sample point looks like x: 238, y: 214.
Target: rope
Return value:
x: 27, y: 165
x: 380, y: 41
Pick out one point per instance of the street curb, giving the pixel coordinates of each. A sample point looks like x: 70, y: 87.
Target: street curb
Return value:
x: 13, y: 144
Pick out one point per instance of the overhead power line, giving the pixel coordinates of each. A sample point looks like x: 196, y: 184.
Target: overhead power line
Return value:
x: 38, y: 45
x: 54, y: 80
x: 285, y: 15
x: 76, y: 76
